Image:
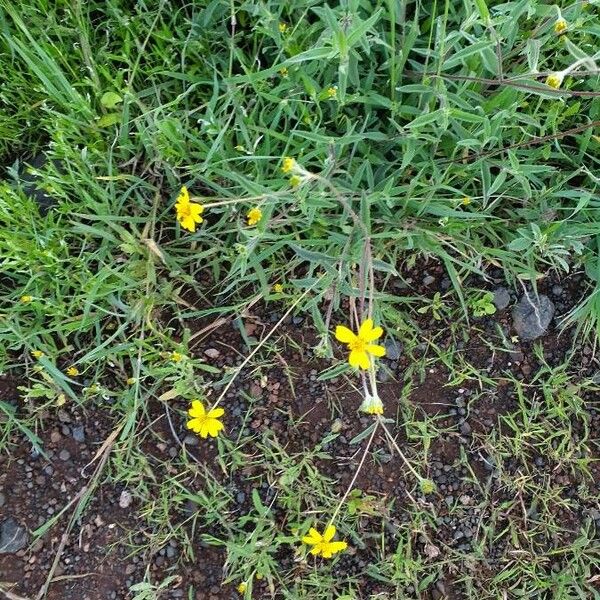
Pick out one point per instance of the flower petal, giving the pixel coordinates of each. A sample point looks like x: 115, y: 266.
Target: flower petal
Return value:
x: 215, y: 413
x: 359, y: 359
x: 313, y: 535
x: 333, y: 548
x: 213, y: 427
x: 344, y: 335
x: 374, y: 334
x: 194, y: 425
x: 329, y: 533
x: 184, y: 195
x: 365, y: 329
x: 375, y: 350
x: 197, y: 409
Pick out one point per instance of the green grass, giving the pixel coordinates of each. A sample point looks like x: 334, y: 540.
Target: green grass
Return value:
x: 442, y: 145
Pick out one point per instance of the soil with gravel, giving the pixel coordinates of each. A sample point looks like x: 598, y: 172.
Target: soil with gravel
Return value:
x: 105, y: 553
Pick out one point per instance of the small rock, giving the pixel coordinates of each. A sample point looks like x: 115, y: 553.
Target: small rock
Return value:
x: 212, y: 353
x: 501, y: 298
x: 2, y: 499
x: 78, y: 433
x: 125, y: 499
x: 191, y: 440
x: 393, y: 349
x: 428, y: 280
x: 64, y: 455
x: 532, y: 315
x: 63, y: 416
x: 557, y: 290
x: 13, y: 537
x: 465, y: 428
x: 55, y: 437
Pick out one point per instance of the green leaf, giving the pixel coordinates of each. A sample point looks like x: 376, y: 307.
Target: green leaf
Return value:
x: 108, y: 120
x: 110, y: 100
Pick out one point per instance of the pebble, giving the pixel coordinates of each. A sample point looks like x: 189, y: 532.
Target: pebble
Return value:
x: 501, y: 298
x: 2, y: 499
x: 64, y: 455
x: 532, y: 316
x: 78, y: 433
x: 13, y: 537
x: 393, y: 349
x: 212, y: 353
x: 428, y: 279
x: 465, y: 428
x: 125, y: 499
x: 191, y: 440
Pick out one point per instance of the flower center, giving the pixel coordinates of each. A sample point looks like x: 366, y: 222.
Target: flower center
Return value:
x: 357, y: 344
x: 185, y: 209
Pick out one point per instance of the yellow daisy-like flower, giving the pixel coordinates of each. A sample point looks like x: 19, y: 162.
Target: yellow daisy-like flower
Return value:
x: 26, y: 299
x: 360, y: 345
x: 72, y: 371
x: 176, y: 357
x: 188, y: 212
x: 295, y: 180
x: 466, y: 201
x: 560, y: 26
x: 322, y: 544
x: 283, y: 72
x: 254, y: 215
x: 331, y: 92
x: 288, y: 165
x: 37, y: 354
x: 242, y: 587
x: 283, y: 27
x: 131, y: 381
x: 554, y: 80
x: 278, y: 288
x: 205, y: 423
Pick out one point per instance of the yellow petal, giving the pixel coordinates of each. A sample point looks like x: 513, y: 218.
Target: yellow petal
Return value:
x: 313, y: 537
x: 329, y: 533
x: 197, y: 409
x: 213, y: 427
x: 344, y: 335
x: 184, y: 195
x: 315, y: 550
x: 365, y: 329
x: 373, y: 335
x: 188, y: 223
x: 359, y: 359
x: 333, y: 548
x: 215, y: 413
x: 375, y: 350
x: 194, y: 425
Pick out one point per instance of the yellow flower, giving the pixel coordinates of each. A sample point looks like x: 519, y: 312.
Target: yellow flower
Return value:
x: 554, y: 80
x: 38, y: 354
x: 288, y: 165
x: 360, y: 345
x: 466, y: 201
x: 188, y: 213
x: 72, y: 371
x: 372, y: 405
x: 242, y: 587
x: 283, y: 27
x: 278, y: 288
x: 283, y: 72
x: 560, y: 26
x: 205, y: 423
x: 254, y: 215
x: 176, y: 357
x: 322, y: 544
x: 295, y: 180
x: 131, y: 381
x: 331, y: 92
x: 26, y: 299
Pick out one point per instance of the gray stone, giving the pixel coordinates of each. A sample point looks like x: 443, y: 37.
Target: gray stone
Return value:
x: 465, y: 428
x: 531, y: 316
x: 191, y: 440
x: 64, y: 455
x: 393, y: 349
x: 13, y: 537
x: 501, y: 298
x: 78, y: 433
x: 2, y: 499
